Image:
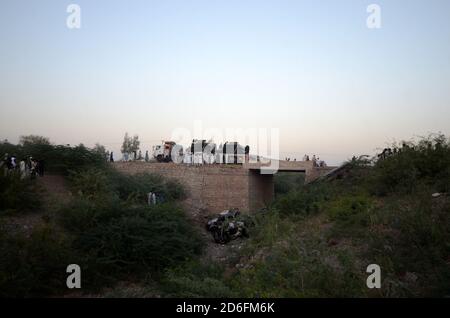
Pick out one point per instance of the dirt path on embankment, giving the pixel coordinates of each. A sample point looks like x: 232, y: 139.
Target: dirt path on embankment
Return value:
x: 53, y: 191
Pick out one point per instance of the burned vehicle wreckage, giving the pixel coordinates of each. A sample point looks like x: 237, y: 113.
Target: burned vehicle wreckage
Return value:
x: 227, y: 226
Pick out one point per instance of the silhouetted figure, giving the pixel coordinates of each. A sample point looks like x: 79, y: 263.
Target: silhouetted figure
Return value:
x: 40, y: 168
x: 224, y: 159
x: 247, y: 153
x: 111, y: 157
x: 33, y: 170
x: 7, y: 162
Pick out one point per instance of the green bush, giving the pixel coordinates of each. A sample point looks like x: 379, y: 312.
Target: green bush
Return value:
x: 411, y: 236
x: 57, y: 159
x: 34, y: 265
x: 345, y: 208
x: 303, y: 202
x: 427, y: 161
x: 132, y: 188
x: 120, y: 239
x: 196, y: 279
x: 17, y: 194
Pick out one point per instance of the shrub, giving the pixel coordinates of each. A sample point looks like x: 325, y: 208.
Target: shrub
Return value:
x: 426, y: 161
x: 16, y: 194
x: 118, y: 238
x: 196, y: 279
x: 303, y: 202
x: 412, y: 238
x: 35, y: 265
x: 57, y: 159
x: 132, y: 188
x: 346, y: 208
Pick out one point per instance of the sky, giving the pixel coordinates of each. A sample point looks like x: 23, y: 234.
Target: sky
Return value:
x: 311, y: 69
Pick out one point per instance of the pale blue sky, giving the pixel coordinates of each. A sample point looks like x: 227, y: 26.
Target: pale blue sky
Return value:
x: 310, y: 68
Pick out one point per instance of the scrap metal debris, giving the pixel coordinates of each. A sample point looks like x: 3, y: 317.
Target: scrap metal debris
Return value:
x: 227, y: 226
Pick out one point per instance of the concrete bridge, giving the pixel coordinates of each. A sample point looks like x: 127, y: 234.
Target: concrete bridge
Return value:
x: 217, y: 187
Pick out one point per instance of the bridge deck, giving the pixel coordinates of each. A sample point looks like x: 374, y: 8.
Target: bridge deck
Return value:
x: 281, y: 166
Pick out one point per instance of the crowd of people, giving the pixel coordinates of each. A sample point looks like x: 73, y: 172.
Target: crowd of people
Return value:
x: 133, y: 156
x: 316, y: 161
x: 27, y: 167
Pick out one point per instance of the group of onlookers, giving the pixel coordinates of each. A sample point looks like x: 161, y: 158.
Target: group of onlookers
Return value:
x: 28, y: 166
x: 109, y: 156
x: 133, y: 156
x: 316, y: 161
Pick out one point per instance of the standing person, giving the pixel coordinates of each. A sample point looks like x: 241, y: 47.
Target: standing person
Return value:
x: 111, y: 157
x: 29, y: 159
x: 314, y: 160
x: 33, y: 168
x: 149, y: 198
x: 23, y: 171
x: 247, y: 153
x: 219, y: 157
x: 13, y: 162
x: 147, y: 158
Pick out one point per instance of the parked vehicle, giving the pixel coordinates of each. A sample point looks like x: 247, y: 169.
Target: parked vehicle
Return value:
x: 233, y: 153
x: 169, y: 151
x: 203, y: 152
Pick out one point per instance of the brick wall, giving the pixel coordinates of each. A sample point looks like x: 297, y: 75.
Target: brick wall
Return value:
x: 214, y: 188
x: 211, y: 188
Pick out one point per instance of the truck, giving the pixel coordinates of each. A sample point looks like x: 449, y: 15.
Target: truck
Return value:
x: 233, y: 153
x: 202, y: 151
x: 168, y: 151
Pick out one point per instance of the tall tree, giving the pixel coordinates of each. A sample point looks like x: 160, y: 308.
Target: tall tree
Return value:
x: 100, y: 149
x: 130, y: 144
x: 135, y: 143
x: 34, y: 140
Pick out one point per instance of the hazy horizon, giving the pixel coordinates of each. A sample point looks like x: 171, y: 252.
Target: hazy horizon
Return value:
x: 332, y: 86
